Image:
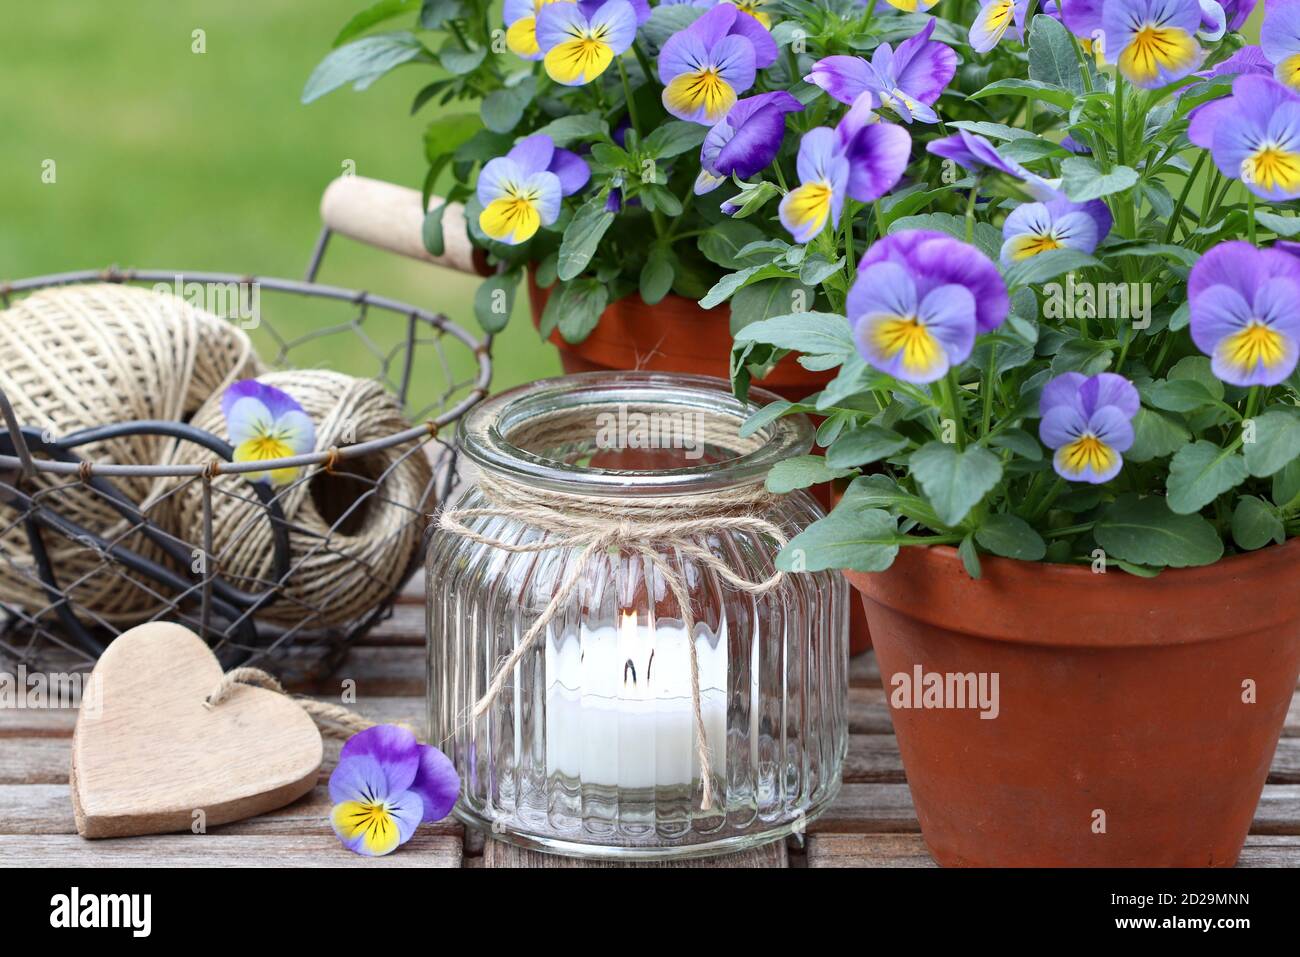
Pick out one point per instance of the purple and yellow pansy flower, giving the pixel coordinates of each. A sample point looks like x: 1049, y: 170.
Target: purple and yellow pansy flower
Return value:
x: 993, y: 20
x: 579, y: 41
x: 1153, y: 42
x: 746, y: 140
x: 1279, y: 38
x: 265, y: 424
x: 1254, y: 136
x: 1034, y: 228
x: 862, y: 158
x: 706, y: 66
x: 521, y: 191
x: 912, y: 6
x: 1245, y: 312
x: 386, y: 785
x: 919, y: 300
x: 1088, y: 421
x: 907, y: 80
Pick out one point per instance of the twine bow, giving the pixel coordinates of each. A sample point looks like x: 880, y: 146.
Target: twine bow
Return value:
x: 645, y: 526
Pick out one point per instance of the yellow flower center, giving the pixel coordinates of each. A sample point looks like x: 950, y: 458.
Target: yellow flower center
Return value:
x: 1272, y: 168
x: 1155, y: 48
x: 581, y: 59
x: 1087, y: 451
x: 754, y: 9
x: 369, y: 820
x: 513, y: 218
x: 1252, y: 346
x: 701, y: 90
x: 908, y: 335
x: 1031, y: 245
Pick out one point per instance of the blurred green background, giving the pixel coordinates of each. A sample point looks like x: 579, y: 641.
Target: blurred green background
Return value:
x: 168, y: 158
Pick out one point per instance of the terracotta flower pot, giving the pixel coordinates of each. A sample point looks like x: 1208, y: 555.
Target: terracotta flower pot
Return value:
x: 1126, y: 733
x: 674, y: 335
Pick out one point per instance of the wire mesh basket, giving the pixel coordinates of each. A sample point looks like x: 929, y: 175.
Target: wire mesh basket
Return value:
x: 93, y: 542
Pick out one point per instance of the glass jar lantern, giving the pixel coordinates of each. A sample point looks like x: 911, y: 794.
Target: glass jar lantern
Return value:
x: 590, y: 744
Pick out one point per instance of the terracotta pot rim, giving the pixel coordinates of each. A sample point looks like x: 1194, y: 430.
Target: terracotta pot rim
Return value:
x: 1047, y: 604
x: 1081, y: 573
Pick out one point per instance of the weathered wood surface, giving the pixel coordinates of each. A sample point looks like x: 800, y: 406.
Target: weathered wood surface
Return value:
x: 872, y: 823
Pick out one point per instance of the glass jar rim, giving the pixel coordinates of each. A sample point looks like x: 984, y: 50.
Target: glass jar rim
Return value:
x: 484, y: 431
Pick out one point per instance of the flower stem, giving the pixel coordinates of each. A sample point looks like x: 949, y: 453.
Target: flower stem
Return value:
x: 631, y: 103
x: 1250, y: 216
x: 970, y: 214
x: 952, y: 405
x: 1252, y: 402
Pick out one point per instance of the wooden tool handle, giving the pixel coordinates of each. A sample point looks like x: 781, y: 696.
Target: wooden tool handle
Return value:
x: 391, y: 217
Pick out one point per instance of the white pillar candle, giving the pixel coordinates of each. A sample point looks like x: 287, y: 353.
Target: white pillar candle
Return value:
x: 619, y: 710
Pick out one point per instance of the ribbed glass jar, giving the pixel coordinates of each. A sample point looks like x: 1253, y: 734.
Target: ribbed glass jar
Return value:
x: 590, y: 747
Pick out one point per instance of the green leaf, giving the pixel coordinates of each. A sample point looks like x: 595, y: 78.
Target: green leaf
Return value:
x: 765, y: 300
x: 503, y: 109
x: 954, y: 481
x: 1145, y: 532
x: 434, y: 14
x: 871, y: 443
x: 1052, y: 59
x: 1048, y: 265
x: 724, y: 240
x: 1082, y: 179
x: 1155, y: 436
x: 579, y: 304
x: 1286, y: 484
x: 1179, y: 395
x: 1276, y: 444
x: 765, y: 416
x: 673, y: 138
x: 582, y: 126
x: 494, y: 300
x: 664, y: 21
x: 447, y: 134
x: 1287, y: 227
x: 801, y: 472
x: 860, y: 540
x: 1081, y: 355
x: 970, y: 556
x: 456, y: 59
x: 431, y: 230
x: 1201, y: 472
x: 812, y: 333
x: 753, y: 198
x: 816, y: 269
x: 1032, y: 89
x: 1011, y: 537
x: 1199, y: 369
x: 1020, y: 442
x: 582, y: 237
x: 362, y: 62
x: 657, y: 275
x: 374, y: 15
x: 1255, y: 524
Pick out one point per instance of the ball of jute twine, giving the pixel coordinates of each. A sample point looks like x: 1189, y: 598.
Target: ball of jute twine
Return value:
x: 647, y: 526
x: 82, y: 356
x: 334, y: 720
x: 353, y: 526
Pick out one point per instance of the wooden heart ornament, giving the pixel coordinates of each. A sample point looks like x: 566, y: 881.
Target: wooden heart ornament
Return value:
x: 148, y: 753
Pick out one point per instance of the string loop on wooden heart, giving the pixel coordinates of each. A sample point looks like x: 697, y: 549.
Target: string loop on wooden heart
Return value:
x: 332, y: 719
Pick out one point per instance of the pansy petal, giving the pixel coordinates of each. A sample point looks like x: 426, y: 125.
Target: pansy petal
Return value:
x: 883, y: 287
x: 360, y: 777
x: 394, y: 748
x: 616, y: 21
x: 532, y: 154
x: 436, y: 783
x: 297, y: 431
x: 753, y: 146
x: 1062, y: 392
x: 844, y: 78
x: 495, y: 178
x: 924, y: 67
x: 1113, y: 426
x: 248, y: 419
x: 991, y: 23
x: 805, y: 210
x: 1087, y: 459
x: 748, y: 26
x: 878, y: 156
x: 1061, y: 425
x: 571, y: 170
x: 1108, y: 389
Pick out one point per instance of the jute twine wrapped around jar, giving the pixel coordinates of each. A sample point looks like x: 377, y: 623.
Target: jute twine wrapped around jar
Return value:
x: 353, y: 530
x: 81, y: 356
